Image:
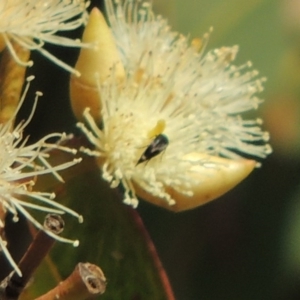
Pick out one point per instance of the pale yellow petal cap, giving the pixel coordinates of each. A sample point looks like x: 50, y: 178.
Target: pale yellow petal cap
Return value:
x: 215, y: 179
x: 94, y: 64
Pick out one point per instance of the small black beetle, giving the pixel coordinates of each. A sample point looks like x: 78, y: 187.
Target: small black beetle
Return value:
x: 158, y: 145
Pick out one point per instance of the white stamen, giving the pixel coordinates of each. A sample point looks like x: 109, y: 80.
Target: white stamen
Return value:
x: 32, y: 23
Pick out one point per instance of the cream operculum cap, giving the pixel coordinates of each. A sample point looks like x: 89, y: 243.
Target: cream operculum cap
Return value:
x: 96, y: 65
x: 214, y: 178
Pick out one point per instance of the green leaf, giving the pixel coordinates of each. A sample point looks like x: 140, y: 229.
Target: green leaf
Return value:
x: 112, y: 237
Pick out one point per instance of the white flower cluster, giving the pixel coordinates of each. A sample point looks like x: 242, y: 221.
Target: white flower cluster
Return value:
x: 176, y: 99
x: 32, y: 23
x: 20, y: 164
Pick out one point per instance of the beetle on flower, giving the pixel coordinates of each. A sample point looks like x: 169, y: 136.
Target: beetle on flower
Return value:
x: 143, y: 80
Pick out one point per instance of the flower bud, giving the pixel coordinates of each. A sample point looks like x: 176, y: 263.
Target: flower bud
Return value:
x: 95, y: 64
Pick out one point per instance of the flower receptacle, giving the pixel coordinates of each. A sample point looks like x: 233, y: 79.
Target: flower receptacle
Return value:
x: 215, y: 178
